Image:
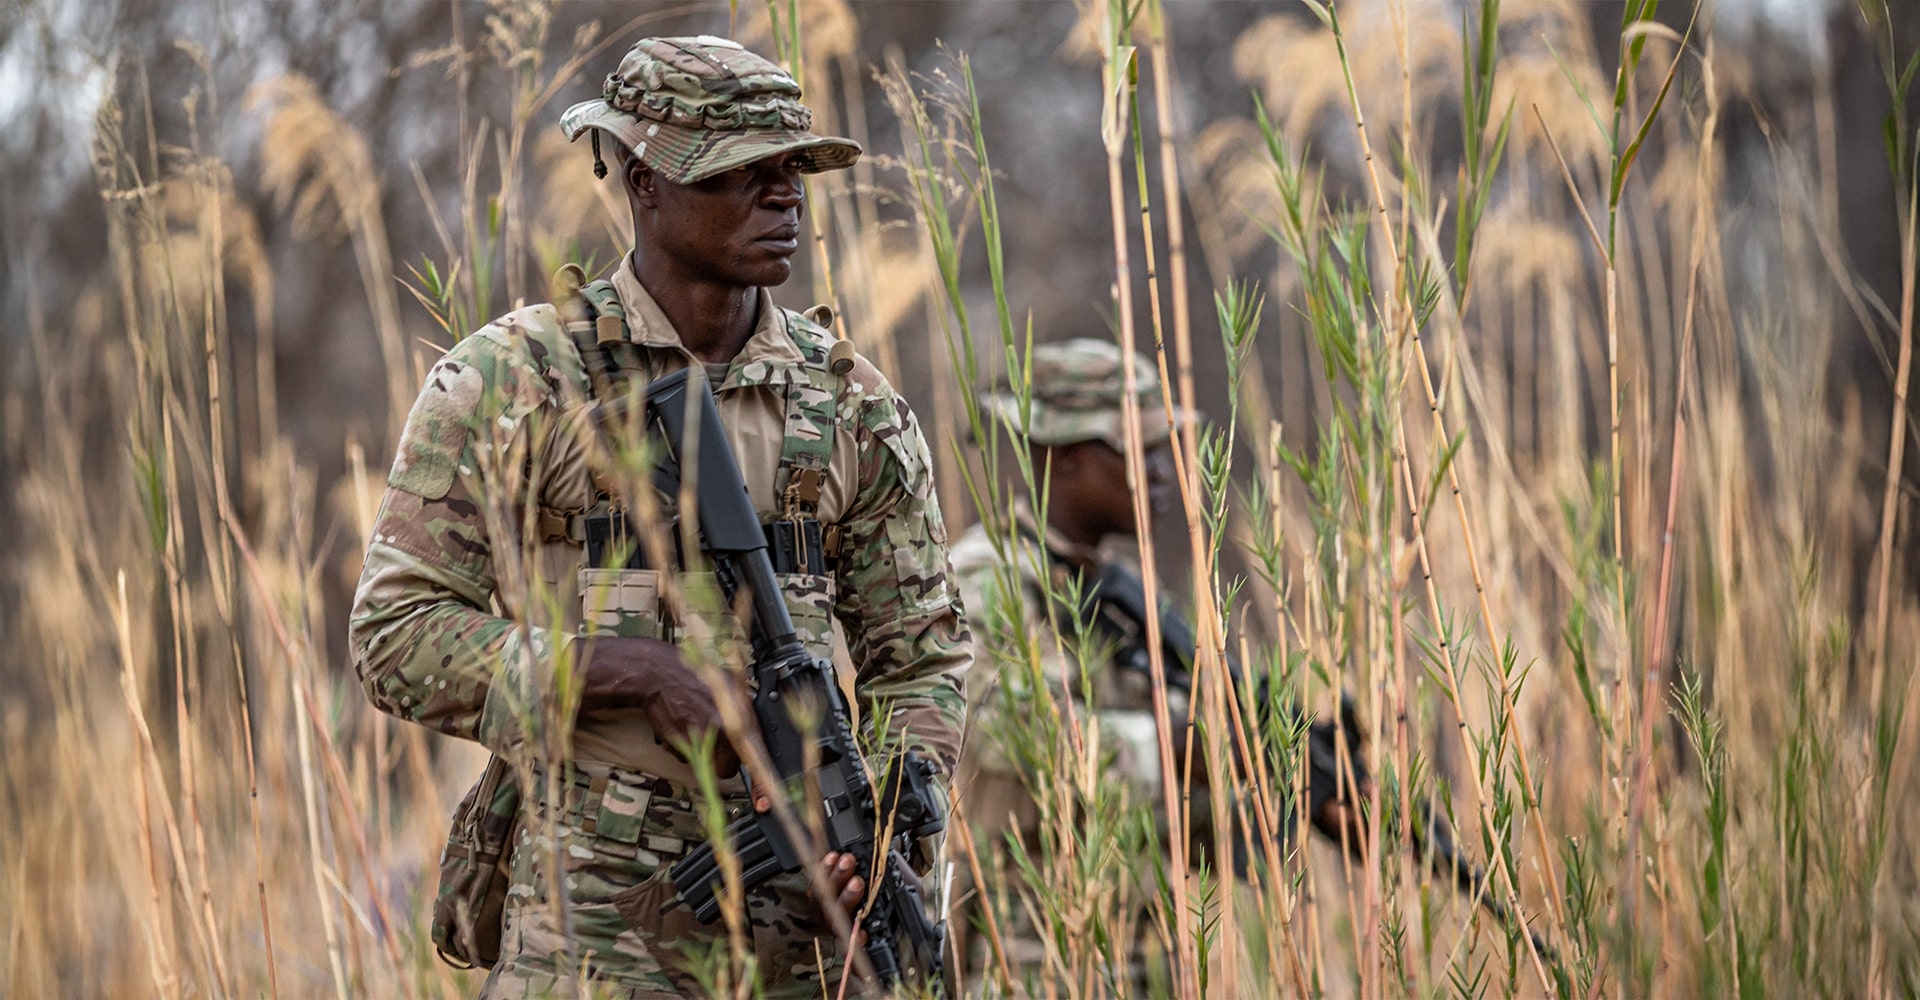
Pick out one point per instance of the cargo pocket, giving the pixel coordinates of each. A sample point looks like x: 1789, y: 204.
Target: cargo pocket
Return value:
x: 792, y: 936
x: 620, y: 602
x: 653, y: 910
x: 919, y: 562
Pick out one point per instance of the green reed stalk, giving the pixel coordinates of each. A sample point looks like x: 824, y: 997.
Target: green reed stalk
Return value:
x: 1902, y: 164
x: 1649, y: 700
x: 1205, y: 529
x: 1209, y: 665
x: 1905, y: 169
x: 1658, y: 651
x: 1411, y: 305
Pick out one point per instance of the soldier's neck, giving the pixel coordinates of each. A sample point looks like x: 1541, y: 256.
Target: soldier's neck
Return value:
x: 1065, y: 523
x: 714, y: 321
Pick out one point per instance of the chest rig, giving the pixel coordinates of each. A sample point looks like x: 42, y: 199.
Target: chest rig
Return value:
x: 619, y: 579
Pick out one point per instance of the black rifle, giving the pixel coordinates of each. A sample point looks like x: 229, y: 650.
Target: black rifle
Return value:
x: 1433, y: 839
x: 804, y: 722
x: 1115, y: 602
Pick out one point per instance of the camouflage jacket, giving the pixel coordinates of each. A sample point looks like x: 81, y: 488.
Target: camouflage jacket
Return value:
x: 470, y: 598
x: 1029, y: 646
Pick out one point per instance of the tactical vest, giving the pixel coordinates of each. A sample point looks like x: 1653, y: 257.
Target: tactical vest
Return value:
x: 619, y: 582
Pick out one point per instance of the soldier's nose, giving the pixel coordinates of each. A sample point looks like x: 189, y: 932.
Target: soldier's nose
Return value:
x: 786, y: 191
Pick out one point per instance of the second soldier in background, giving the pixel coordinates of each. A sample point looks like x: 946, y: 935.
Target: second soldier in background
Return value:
x: 1058, y: 615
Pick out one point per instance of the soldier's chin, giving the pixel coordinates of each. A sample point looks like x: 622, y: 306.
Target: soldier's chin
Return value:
x: 770, y: 271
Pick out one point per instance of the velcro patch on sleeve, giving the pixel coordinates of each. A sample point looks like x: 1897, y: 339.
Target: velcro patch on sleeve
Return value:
x: 437, y: 429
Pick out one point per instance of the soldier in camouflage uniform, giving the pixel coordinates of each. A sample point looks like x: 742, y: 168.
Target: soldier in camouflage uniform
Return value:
x: 491, y: 568
x: 1077, y: 433
x: 1076, y: 430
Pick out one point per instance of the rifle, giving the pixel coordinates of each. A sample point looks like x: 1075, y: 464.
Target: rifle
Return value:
x: 1116, y: 602
x: 1433, y: 838
x: 824, y: 772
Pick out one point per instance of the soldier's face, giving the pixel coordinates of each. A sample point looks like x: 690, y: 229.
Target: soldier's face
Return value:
x: 1096, y: 466
x: 739, y: 227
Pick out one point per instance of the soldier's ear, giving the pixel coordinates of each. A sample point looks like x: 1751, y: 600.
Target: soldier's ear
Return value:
x: 642, y: 185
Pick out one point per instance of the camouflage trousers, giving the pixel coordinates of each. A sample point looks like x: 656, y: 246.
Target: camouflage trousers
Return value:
x: 618, y: 833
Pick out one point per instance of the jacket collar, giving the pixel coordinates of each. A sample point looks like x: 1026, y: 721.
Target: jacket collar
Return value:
x: 768, y: 357
x: 1057, y: 545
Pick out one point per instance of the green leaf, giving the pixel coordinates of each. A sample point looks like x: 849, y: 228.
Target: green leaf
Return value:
x: 1646, y: 125
x: 1442, y: 464
x: 1117, y: 107
x: 1890, y: 137
x: 1581, y: 92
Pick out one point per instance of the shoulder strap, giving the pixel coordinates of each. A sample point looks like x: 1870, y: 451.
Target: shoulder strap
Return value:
x: 598, y: 324
x: 812, y: 402
x: 604, y: 309
x: 807, y: 445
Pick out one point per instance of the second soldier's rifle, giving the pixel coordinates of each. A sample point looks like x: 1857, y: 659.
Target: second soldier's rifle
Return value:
x: 803, y: 720
x: 1115, y: 603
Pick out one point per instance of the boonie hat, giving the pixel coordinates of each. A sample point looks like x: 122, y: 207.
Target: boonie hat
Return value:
x: 693, y: 107
x: 1078, y: 386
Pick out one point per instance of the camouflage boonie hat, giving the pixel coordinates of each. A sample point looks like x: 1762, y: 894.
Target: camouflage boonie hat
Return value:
x: 1077, y: 390
x: 694, y: 107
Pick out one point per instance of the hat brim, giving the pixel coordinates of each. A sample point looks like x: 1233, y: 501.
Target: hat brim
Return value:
x: 684, y: 155
x: 1053, y: 427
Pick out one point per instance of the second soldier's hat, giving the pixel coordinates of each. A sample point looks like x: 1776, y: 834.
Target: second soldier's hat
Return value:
x: 1078, y: 388
x: 693, y: 107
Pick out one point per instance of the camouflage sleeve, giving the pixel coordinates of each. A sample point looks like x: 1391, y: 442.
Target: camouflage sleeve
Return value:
x: 999, y: 584
x: 424, y: 642
x: 896, y: 598
x: 1016, y: 653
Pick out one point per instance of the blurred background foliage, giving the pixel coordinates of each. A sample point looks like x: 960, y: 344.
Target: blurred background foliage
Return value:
x: 343, y: 132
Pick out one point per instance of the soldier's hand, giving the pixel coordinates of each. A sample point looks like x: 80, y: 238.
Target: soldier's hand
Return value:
x: 1341, y: 823
x: 844, y: 878
x: 650, y: 675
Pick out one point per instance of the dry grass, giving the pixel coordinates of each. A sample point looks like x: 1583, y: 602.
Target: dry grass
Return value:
x: 198, y: 803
